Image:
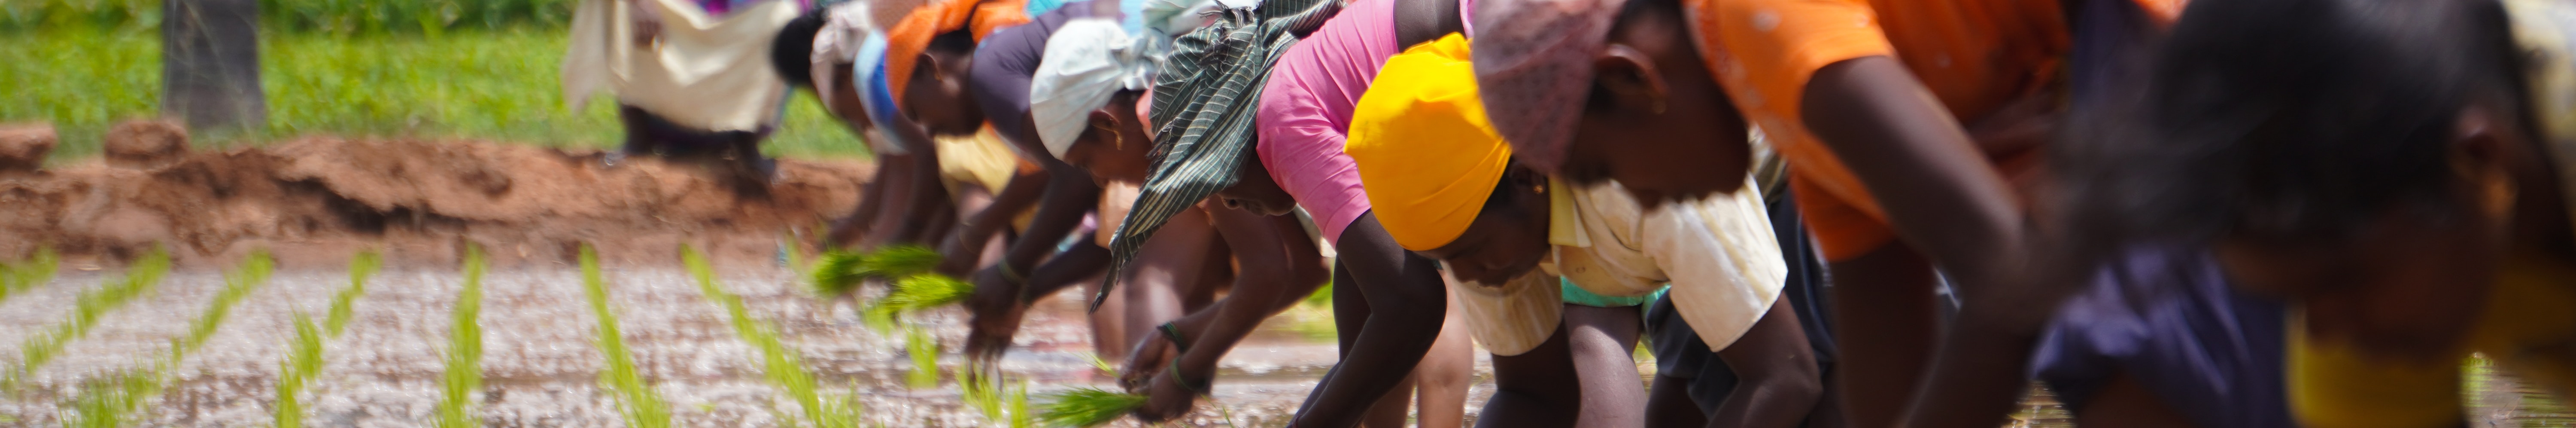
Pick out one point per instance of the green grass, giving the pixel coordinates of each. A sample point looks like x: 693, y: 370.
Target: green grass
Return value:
x: 140, y: 279
x: 360, y: 267
x: 1087, y: 407
x: 501, y: 84
x: 320, y: 16
x: 782, y: 366
x: 642, y: 406
x: 464, y: 373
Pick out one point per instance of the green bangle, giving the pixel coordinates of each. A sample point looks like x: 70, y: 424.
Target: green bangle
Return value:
x: 1195, y: 388
x: 1009, y: 274
x: 1180, y: 345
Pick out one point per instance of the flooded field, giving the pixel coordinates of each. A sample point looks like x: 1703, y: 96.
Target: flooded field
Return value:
x: 541, y: 362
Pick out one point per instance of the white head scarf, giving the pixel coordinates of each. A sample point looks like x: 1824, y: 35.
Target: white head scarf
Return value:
x: 1087, y: 61
x: 847, y: 29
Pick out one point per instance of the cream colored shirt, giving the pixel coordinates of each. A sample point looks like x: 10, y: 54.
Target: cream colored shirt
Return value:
x: 702, y: 72
x: 1718, y: 253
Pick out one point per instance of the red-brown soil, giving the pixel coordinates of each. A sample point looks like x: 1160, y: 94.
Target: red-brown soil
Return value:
x: 315, y: 201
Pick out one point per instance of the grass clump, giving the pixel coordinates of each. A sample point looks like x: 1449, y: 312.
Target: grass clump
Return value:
x: 464, y: 373
x: 779, y: 363
x: 140, y: 279
x: 642, y: 406
x: 916, y: 293
x: 1087, y: 407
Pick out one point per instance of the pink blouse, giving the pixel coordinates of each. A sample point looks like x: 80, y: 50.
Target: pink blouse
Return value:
x: 1306, y: 110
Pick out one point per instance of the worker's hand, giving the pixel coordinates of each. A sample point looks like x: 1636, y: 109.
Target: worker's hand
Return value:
x: 1165, y: 399
x: 996, y: 310
x: 648, y: 24
x: 1152, y: 354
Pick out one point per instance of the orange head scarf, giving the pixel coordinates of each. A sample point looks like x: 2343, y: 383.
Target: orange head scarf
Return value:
x: 909, y: 37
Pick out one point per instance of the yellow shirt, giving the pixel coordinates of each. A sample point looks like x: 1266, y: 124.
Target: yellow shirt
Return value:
x: 2529, y: 328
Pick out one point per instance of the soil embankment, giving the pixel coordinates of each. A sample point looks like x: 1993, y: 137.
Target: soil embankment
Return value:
x: 315, y: 201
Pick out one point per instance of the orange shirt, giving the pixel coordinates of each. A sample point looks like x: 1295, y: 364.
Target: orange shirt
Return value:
x: 1975, y: 55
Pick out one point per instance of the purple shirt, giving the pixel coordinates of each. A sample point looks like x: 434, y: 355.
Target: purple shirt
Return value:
x: 1306, y: 112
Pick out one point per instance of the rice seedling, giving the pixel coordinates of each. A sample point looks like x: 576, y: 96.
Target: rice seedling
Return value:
x: 642, y: 406
x: 924, y: 351
x: 140, y: 279
x: 237, y: 286
x: 1000, y: 405
x: 31, y: 273
x: 360, y: 267
x: 302, y: 363
x: 1020, y: 417
x: 113, y: 400
x: 1087, y: 407
x: 779, y: 363
x: 464, y: 373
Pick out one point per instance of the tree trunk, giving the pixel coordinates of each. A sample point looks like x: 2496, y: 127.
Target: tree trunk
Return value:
x: 210, y: 63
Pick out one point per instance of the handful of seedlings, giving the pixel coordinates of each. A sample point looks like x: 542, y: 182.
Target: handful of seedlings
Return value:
x: 1087, y: 407
x: 913, y: 285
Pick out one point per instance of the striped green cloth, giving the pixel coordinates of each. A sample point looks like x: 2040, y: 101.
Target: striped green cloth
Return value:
x: 1205, y: 96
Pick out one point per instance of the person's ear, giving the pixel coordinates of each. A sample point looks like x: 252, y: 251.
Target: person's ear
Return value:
x: 2480, y: 158
x: 1630, y: 79
x: 1104, y: 129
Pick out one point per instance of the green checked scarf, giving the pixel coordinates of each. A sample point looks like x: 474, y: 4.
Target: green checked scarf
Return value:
x: 1204, y: 99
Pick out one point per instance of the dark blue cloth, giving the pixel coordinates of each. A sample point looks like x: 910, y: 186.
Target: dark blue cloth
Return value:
x: 2170, y: 320
x: 1004, y: 64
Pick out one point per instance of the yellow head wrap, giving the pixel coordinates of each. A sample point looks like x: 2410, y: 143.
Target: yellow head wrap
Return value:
x: 1425, y: 152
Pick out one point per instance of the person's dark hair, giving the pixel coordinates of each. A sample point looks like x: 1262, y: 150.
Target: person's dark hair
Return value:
x: 959, y: 42
x: 792, y: 53
x: 2294, y: 121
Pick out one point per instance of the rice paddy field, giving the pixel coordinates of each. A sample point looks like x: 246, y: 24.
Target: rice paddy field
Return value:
x: 644, y: 347
x: 680, y: 342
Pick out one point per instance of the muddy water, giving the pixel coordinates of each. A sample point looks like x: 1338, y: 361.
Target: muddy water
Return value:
x: 541, y: 366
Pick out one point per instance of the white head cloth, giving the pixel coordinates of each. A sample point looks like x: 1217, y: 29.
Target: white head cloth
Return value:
x: 847, y: 29
x: 1088, y: 60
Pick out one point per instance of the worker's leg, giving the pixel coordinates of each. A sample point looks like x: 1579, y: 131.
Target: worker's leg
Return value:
x: 1602, y: 341
x: 1446, y: 372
